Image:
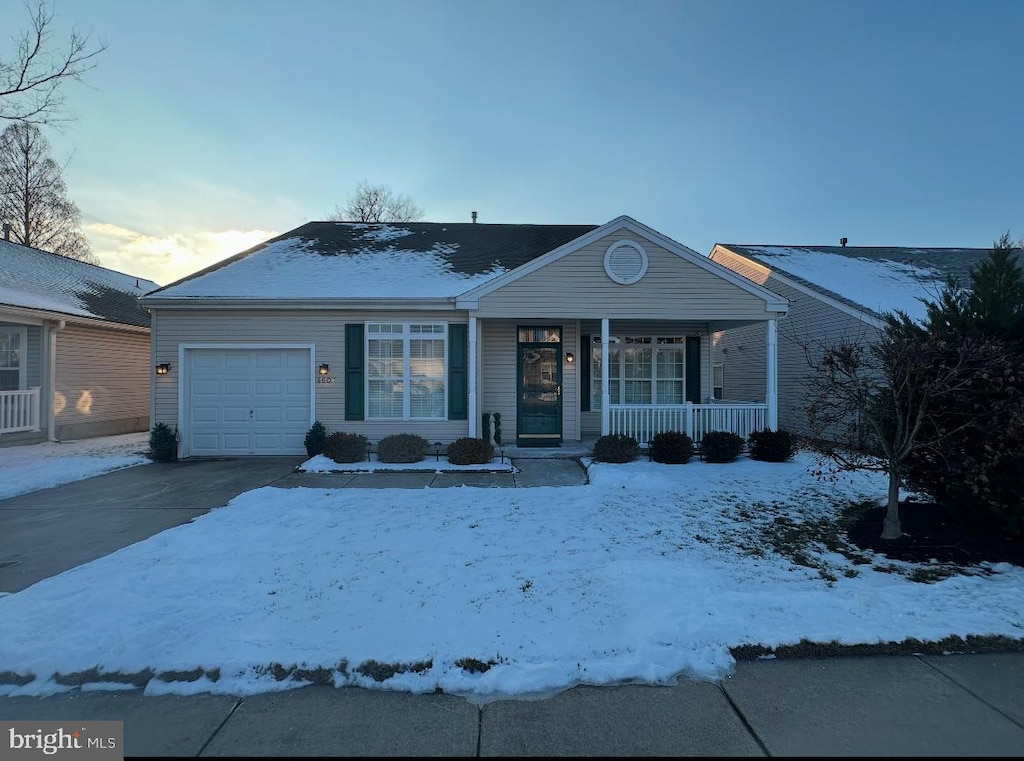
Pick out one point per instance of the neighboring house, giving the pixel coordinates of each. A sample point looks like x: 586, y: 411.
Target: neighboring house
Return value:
x: 74, y: 348
x: 566, y: 331
x: 835, y: 293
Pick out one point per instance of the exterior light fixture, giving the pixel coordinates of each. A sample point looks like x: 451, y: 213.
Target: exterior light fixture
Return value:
x: 163, y: 368
x: 324, y: 369
x: 570, y: 357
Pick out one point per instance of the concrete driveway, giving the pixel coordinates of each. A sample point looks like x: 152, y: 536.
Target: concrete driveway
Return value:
x: 47, y: 532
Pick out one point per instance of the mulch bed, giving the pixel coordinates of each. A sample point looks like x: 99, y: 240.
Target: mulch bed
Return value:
x: 931, y: 532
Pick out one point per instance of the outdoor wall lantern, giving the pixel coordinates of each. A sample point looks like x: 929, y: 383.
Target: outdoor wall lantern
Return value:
x: 324, y: 369
x: 163, y: 368
x: 570, y: 357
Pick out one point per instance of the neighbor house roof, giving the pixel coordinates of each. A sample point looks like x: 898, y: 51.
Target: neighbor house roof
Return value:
x: 39, y: 280
x: 874, y: 279
x: 356, y: 260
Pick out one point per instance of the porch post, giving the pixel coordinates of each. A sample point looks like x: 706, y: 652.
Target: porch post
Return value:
x: 605, y: 396
x: 772, y: 385
x: 474, y: 413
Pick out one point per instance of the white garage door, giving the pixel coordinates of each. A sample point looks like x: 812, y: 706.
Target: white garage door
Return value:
x: 248, y: 401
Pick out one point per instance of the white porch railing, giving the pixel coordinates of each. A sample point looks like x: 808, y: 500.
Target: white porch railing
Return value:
x: 643, y: 421
x: 19, y: 411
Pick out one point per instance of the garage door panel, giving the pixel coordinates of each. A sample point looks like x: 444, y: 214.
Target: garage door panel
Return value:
x: 249, y: 401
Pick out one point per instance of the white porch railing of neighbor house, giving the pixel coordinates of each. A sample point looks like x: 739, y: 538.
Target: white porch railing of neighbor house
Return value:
x: 643, y: 421
x: 19, y: 411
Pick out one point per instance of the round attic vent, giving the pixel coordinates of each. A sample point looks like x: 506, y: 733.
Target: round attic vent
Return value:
x: 625, y: 262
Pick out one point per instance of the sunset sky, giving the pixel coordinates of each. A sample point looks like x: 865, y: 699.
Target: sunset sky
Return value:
x: 209, y: 126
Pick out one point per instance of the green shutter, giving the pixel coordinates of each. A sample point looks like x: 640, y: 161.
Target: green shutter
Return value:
x: 458, y: 372
x: 585, y: 356
x: 693, y: 373
x: 355, y: 372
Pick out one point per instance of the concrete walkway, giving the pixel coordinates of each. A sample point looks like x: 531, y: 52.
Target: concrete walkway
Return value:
x: 967, y: 705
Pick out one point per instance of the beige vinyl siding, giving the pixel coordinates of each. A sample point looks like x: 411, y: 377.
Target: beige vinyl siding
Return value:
x: 577, y: 286
x: 810, y: 323
x: 498, y: 374
x: 102, y: 382
x: 325, y: 330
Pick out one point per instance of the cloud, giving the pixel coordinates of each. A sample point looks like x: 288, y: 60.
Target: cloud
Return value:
x: 166, y: 259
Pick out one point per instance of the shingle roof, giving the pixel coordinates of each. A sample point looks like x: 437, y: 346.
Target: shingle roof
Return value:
x: 35, y: 279
x: 396, y: 260
x: 876, y: 279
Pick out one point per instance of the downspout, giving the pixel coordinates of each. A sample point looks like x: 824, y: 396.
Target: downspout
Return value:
x: 51, y: 377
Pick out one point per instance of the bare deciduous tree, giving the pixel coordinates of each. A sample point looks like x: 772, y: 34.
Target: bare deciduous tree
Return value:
x: 31, y: 81
x: 376, y: 203
x: 33, y: 196
x: 896, y: 387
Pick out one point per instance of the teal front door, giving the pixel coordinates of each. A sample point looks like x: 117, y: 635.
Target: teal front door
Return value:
x: 539, y: 390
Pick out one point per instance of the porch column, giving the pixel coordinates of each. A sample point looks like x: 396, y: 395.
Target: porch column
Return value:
x: 772, y: 384
x: 474, y: 411
x: 605, y: 396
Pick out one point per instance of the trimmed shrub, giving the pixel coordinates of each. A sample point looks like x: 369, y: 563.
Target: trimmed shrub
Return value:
x: 616, y: 447
x: 402, y: 447
x: 163, y: 443
x: 671, y: 447
x: 315, y: 438
x: 469, y: 451
x: 772, y: 446
x: 721, y: 446
x: 346, y: 447
x: 497, y: 428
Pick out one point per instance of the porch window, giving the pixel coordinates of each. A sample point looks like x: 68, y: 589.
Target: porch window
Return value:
x: 405, y: 376
x: 641, y: 370
x: 12, y: 353
x: 718, y: 382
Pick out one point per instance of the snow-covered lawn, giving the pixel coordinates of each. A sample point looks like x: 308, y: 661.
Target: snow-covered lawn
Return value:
x: 649, y: 572
x: 40, y: 466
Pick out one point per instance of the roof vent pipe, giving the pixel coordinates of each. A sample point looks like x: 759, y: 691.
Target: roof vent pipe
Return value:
x: 474, y: 217
x: 842, y: 242
x: 7, y: 231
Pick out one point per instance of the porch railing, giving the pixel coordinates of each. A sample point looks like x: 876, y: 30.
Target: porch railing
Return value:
x: 643, y: 421
x: 19, y: 411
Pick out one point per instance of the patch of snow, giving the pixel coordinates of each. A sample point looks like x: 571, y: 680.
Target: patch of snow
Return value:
x: 883, y: 286
x: 649, y: 572
x: 32, y: 467
x: 384, y: 233
x: 322, y: 464
x: 291, y: 268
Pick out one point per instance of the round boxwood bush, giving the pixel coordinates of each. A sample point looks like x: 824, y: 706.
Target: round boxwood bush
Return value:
x: 772, y: 446
x: 470, y: 451
x: 616, y: 447
x: 402, y: 447
x: 163, y: 443
x: 721, y: 446
x: 315, y: 438
x: 672, y: 447
x: 346, y: 447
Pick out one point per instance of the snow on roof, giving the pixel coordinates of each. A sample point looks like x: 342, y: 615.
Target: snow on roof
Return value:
x: 293, y: 268
x: 359, y: 260
x: 879, y: 284
x: 35, y: 279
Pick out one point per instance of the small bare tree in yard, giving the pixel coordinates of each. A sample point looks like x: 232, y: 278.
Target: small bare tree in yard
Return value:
x: 33, y: 196
x: 377, y: 203
x: 31, y: 80
x: 895, y: 386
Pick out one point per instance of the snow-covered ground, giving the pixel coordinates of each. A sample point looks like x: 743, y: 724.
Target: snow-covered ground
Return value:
x: 40, y: 466
x: 438, y: 464
x: 649, y: 572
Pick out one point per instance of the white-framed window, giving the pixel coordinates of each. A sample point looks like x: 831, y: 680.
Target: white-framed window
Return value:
x: 718, y: 382
x: 641, y: 370
x: 406, y: 376
x: 13, y: 346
